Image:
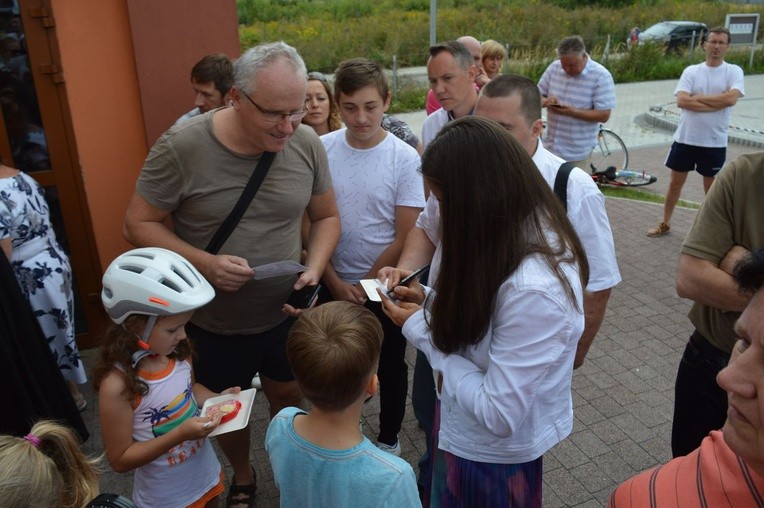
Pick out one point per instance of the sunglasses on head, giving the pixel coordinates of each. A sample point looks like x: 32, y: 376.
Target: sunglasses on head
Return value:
x: 319, y: 76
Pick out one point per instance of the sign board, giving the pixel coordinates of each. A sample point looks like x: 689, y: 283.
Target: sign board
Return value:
x: 743, y: 28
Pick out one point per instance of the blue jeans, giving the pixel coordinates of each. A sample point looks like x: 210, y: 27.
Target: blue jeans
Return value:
x: 700, y: 406
x: 423, y: 402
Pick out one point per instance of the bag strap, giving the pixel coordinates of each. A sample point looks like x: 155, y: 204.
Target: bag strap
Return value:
x: 230, y: 222
x: 561, y: 183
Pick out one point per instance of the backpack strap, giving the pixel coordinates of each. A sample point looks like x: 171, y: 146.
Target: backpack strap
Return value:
x: 561, y: 183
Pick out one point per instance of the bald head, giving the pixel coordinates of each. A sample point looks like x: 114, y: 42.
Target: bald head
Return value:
x: 473, y: 45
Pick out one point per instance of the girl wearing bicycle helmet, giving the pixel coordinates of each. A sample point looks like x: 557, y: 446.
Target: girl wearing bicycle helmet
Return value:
x: 149, y: 402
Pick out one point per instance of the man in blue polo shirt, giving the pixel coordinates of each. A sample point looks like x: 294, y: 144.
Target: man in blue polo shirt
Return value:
x: 578, y: 94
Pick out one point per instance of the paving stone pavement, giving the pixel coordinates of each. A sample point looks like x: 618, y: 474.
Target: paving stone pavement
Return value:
x: 622, y: 396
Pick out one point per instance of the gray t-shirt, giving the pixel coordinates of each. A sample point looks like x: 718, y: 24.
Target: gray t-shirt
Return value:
x: 190, y: 172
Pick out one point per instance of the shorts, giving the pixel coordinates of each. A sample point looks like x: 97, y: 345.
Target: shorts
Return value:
x: 706, y: 161
x: 223, y: 361
x: 211, y: 494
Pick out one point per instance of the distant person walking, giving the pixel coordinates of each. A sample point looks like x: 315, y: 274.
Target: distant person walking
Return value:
x: 578, y: 94
x: 633, y: 38
x: 706, y: 93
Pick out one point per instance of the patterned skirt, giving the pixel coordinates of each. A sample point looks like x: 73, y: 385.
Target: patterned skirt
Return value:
x: 458, y: 482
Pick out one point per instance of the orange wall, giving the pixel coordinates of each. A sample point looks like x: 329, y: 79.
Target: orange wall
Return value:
x: 97, y: 59
x: 169, y: 37
x: 117, y: 109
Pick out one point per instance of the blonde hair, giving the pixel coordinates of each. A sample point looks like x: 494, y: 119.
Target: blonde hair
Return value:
x: 492, y: 48
x: 46, y: 468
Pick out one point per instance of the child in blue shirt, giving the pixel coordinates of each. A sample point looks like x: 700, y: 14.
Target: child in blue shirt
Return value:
x: 320, y: 458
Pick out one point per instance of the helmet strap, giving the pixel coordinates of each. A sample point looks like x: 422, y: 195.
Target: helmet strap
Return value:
x: 143, y: 342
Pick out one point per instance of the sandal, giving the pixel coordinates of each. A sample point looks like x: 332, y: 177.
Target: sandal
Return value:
x: 244, y: 494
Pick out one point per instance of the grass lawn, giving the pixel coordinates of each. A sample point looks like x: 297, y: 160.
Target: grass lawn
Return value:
x: 641, y: 195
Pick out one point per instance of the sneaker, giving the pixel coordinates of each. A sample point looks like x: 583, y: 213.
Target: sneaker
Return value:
x: 256, y: 384
x: 394, y: 449
x: 81, y: 403
x: 659, y: 230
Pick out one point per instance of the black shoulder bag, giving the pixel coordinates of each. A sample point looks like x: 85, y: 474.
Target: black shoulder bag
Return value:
x: 230, y: 222
x: 561, y: 183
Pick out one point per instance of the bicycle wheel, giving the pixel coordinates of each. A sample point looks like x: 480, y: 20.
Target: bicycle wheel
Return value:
x: 633, y: 178
x: 609, y: 152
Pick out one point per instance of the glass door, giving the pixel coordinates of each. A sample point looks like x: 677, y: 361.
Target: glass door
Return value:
x: 36, y: 137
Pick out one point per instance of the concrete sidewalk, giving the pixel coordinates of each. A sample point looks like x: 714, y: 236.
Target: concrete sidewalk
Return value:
x: 623, y: 395
x: 646, y: 114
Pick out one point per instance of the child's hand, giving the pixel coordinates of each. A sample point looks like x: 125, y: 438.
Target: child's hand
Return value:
x: 231, y: 391
x: 199, y: 427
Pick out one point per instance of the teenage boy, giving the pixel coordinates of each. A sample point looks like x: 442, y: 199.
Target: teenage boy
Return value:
x: 379, y: 196
x: 321, y: 458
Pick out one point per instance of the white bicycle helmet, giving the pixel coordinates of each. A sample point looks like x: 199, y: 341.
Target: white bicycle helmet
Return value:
x: 154, y: 282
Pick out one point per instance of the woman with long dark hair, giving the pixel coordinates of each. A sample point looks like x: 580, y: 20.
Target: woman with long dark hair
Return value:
x: 501, y: 325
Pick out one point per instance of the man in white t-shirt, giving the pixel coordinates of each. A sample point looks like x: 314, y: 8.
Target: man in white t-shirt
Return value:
x: 706, y: 93
x: 379, y: 196
x: 514, y: 102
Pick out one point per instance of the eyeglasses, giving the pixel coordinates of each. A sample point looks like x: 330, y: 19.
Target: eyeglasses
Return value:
x: 275, y: 116
x: 318, y: 76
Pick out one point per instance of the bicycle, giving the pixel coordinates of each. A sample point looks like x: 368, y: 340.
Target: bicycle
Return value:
x: 610, y: 162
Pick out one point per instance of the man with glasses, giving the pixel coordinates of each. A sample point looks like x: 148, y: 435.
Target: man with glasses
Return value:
x: 706, y: 93
x: 196, y: 174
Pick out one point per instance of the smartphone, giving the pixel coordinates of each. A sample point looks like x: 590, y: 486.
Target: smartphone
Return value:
x: 302, y: 298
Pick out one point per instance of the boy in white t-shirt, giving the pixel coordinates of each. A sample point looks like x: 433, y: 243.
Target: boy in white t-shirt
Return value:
x: 379, y: 196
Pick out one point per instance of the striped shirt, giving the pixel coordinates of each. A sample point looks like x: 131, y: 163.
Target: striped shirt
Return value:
x: 712, y: 476
x: 568, y: 137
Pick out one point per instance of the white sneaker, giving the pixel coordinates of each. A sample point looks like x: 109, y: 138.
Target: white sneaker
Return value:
x: 392, y: 449
x: 256, y: 382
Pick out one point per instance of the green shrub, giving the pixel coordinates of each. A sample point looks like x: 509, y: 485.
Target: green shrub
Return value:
x: 408, y: 99
x: 325, y: 32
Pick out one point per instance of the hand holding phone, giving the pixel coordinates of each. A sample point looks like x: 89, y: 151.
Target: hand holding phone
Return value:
x: 303, y: 298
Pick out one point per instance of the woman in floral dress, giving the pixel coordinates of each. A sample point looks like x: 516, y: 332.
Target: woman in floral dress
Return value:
x: 42, y: 269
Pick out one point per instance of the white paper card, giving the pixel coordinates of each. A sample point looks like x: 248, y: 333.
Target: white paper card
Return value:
x: 278, y: 268
x: 370, y: 287
x: 246, y: 397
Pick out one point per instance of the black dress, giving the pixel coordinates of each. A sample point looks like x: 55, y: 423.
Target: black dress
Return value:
x: 29, y: 376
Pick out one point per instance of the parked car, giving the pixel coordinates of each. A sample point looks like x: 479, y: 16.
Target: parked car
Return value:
x: 674, y: 34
